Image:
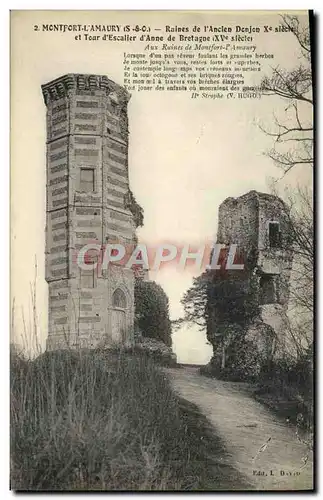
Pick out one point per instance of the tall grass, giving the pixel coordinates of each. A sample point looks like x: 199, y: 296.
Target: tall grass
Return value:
x: 101, y: 421
x: 287, y: 388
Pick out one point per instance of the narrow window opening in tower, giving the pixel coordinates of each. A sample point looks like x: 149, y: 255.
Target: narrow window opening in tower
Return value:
x: 274, y: 235
x: 87, y: 279
x: 119, y: 299
x: 88, y: 276
x: 87, y: 180
x: 267, y: 293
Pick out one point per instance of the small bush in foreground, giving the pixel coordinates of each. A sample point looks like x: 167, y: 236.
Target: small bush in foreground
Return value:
x: 286, y: 386
x: 157, y: 350
x: 243, y: 363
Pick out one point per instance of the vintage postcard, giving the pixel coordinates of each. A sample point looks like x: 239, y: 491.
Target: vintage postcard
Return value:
x: 162, y: 250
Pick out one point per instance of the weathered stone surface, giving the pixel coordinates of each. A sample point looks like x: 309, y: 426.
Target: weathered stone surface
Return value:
x: 258, y: 223
x: 87, y: 127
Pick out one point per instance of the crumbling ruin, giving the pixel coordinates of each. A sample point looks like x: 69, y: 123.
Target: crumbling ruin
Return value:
x: 254, y: 301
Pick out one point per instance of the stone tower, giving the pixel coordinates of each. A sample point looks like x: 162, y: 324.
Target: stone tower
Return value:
x: 259, y: 224
x: 87, y: 191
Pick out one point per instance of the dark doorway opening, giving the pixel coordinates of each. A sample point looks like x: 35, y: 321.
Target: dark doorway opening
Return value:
x: 274, y: 235
x: 267, y: 290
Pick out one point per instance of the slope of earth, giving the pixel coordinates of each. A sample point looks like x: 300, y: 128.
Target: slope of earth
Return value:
x: 265, y: 450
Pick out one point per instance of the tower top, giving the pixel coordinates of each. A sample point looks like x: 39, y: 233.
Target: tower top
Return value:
x: 62, y: 86
x: 255, y: 195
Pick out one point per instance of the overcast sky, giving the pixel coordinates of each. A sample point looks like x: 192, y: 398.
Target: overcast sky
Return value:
x: 185, y: 156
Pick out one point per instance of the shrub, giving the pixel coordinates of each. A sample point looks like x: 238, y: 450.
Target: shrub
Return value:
x: 243, y: 362
x: 157, y: 350
x: 152, y: 311
x: 286, y: 385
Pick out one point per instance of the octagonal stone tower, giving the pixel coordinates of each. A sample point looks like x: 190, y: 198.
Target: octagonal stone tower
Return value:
x: 86, y: 202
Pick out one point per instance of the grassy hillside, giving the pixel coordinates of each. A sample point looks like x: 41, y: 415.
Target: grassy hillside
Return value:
x: 98, y: 421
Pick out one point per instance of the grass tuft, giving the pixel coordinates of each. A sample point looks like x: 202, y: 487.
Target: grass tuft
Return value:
x: 94, y: 420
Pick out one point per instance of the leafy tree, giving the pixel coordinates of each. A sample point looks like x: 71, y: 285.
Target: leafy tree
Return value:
x: 152, y: 311
x: 217, y: 299
x: 194, y: 302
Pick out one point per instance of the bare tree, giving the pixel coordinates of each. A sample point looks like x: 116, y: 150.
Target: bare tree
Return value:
x: 301, y: 216
x: 293, y: 133
x: 299, y: 324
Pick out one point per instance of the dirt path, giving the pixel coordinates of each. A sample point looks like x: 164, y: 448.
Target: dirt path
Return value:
x: 264, y: 449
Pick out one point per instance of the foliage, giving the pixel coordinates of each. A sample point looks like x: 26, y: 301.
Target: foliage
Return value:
x: 217, y: 299
x: 194, y: 302
x: 157, y: 350
x: 232, y: 300
x: 286, y: 386
x: 152, y: 311
x: 243, y: 362
x: 134, y: 207
x: 93, y: 420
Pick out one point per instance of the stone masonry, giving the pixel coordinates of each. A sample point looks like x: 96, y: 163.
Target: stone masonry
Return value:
x: 258, y: 223
x: 87, y: 190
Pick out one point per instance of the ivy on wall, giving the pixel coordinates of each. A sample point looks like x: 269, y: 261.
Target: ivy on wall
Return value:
x: 134, y: 207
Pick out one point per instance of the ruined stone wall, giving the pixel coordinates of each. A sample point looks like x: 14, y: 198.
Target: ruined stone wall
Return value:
x: 244, y: 221
x: 277, y: 261
x: 238, y: 222
x: 87, y: 127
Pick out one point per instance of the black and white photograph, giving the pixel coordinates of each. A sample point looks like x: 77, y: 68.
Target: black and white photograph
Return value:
x: 162, y: 251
